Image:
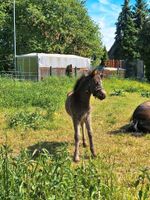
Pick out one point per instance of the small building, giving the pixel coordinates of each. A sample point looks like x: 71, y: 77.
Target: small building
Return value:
x: 36, y: 66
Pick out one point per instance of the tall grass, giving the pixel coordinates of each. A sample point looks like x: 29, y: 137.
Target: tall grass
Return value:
x: 126, y: 85
x: 49, y: 176
x: 45, y: 177
x: 32, y: 105
x: 48, y: 93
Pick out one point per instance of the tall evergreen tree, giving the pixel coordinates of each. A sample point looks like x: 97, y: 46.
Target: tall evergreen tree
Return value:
x: 105, y: 54
x: 125, y: 34
x: 140, y: 15
x: 144, y: 40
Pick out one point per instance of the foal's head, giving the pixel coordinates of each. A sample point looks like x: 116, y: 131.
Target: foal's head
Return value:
x: 95, y: 85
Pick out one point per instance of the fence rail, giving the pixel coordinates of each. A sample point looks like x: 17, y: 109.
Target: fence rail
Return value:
x: 114, y: 63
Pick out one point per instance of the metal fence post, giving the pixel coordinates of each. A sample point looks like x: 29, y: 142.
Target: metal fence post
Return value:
x: 50, y: 71
x: 75, y: 70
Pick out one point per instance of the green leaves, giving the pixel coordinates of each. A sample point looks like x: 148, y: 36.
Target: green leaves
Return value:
x: 125, y: 33
x: 144, y: 42
x: 50, y: 26
x: 128, y: 29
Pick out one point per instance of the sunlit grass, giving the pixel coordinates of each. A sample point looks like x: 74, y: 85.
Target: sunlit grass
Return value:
x: 119, y: 153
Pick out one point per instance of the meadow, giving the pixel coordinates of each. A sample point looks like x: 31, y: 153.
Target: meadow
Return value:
x: 37, y: 143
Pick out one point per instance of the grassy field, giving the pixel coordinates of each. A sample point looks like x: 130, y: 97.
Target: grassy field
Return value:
x: 32, y: 117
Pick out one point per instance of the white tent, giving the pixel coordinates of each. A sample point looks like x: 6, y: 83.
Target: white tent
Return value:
x: 59, y: 60
x: 37, y: 63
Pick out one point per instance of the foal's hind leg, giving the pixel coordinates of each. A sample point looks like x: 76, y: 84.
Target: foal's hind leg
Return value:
x: 89, y: 130
x: 83, y: 134
x: 76, y: 137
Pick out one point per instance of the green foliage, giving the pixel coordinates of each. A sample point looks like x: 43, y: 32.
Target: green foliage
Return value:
x: 128, y: 28
x: 6, y: 34
x: 126, y: 33
x: 143, y: 184
x: 49, y: 93
x: 122, y: 86
x: 145, y: 94
x: 61, y: 26
x: 117, y: 92
x: 26, y: 120
x: 45, y: 176
x: 33, y: 105
x: 50, y: 174
x: 52, y: 177
x: 105, y: 54
x: 145, y: 46
x: 140, y: 15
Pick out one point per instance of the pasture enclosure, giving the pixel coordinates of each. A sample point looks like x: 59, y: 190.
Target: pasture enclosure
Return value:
x: 36, y: 66
x: 37, y: 143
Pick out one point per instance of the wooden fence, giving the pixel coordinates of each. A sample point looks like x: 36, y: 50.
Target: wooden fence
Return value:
x: 114, y: 63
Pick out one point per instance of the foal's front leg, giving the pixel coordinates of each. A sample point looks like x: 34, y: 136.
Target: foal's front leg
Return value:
x: 89, y: 130
x: 76, y: 137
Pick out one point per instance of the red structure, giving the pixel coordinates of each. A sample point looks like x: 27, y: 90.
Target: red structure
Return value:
x: 114, y: 63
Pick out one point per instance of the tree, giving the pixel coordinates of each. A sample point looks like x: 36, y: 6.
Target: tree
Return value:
x: 140, y: 15
x: 6, y: 34
x: 105, y: 54
x: 145, y: 46
x: 126, y: 34
x: 49, y: 26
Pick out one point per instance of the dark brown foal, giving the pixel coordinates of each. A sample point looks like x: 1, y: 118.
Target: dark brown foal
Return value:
x: 78, y: 107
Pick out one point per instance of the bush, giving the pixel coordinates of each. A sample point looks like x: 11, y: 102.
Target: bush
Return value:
x: 117, y: 92
x: 145, y: 94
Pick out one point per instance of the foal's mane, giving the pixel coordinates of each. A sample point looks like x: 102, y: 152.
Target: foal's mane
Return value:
x: 78, y: 83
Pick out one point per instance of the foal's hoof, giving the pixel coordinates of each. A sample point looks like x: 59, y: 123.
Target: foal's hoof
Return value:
x: 76, y: 159
x: 94, y: 155
x: 85, y: 145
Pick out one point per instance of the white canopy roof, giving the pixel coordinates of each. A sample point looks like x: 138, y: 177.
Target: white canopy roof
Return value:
x: 59, y: 60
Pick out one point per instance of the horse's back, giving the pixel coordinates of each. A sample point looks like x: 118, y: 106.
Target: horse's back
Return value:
x: 141, y: 116
x: 142, y: 111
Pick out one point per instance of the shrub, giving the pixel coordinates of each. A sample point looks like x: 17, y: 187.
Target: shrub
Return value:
x: 117, y: 92
x: 145, y: 94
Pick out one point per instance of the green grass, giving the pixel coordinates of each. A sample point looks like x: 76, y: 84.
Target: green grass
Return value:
x: 37, y: 143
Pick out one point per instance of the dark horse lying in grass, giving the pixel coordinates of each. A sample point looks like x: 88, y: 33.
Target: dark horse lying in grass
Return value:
x: 78, y: 107
x: 141, y: 118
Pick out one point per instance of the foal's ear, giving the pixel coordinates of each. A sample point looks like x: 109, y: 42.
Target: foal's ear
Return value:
x: 94, y: 72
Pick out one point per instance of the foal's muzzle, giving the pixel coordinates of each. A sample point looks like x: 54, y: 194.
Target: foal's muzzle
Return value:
x: 100, y: 94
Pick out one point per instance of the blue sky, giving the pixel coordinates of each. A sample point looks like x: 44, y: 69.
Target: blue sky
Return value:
x: 105, y: 14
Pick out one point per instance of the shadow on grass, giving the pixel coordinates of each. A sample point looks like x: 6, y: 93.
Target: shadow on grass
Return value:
x: 128, y: 129
x: 51, y: 147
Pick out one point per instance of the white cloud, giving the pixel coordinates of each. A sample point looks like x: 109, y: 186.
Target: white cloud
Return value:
x: 104, y: 1
x: 105, y: 13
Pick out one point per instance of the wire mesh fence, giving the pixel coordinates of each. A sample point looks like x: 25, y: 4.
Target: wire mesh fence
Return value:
x: 19, y: 75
